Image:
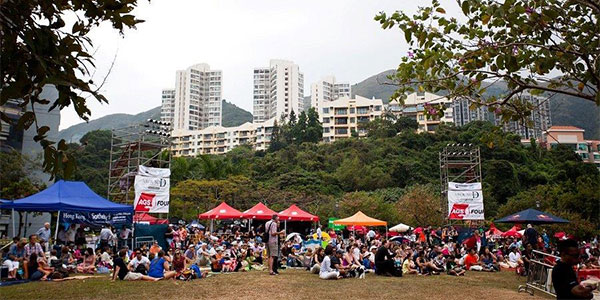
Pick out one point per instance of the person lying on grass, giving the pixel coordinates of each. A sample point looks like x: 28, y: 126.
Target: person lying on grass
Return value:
x: 122, y: 272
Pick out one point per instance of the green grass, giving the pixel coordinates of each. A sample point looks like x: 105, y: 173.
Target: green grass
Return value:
x: 291, y: 284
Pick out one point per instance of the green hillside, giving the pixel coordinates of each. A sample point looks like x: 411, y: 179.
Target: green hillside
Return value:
x: 234, y: 116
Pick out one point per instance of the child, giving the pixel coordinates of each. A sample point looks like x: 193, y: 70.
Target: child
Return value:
x: 452, y: 268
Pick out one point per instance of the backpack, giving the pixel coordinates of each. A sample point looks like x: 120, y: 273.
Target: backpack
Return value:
x: 267, y: 235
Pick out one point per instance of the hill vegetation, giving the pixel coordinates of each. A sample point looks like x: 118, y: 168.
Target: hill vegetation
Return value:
x: 393, y: 175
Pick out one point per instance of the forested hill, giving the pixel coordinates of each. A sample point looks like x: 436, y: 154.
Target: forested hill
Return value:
x: 232, y: 116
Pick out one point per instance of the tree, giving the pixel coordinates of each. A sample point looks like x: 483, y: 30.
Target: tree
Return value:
x: 420, y: 206
x: 38, y: 49
x: 314, y: 129
x: 406, y: 123
x: 523, y: 43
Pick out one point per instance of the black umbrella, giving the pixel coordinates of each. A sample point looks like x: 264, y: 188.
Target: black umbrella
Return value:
x: 532, y: 216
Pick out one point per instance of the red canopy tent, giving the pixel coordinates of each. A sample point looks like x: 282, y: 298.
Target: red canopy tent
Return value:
x: 259, y: 212
x: 359, y: 229
x: 221, y: 212
x: 144, y: 217
x: 513, y: 232
x: 494, y: 232
x: 294, y: 213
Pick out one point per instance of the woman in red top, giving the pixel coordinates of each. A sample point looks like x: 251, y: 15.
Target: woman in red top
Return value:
x: 178, y: 262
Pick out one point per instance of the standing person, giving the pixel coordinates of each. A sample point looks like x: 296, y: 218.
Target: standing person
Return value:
x: 106, y: 235
x: 564, y: 278
x: 124, y: 236
x: 44, y: 235
x: 319, y: 233
x: 531, y: 236
x: 272, y: 233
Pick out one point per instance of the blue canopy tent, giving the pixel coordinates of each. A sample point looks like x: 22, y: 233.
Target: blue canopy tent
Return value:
x: 532, y: 216
x: 75, y: 202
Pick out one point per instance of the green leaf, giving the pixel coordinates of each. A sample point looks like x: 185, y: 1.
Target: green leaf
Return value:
x: 465, y: 7
x: 485, y: 19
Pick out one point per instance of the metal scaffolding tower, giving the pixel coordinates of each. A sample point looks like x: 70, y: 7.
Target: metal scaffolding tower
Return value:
x: 458, y: 163
x: 145, y: 144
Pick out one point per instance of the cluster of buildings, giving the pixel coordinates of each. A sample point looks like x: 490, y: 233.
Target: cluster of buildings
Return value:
x: 193, y: 108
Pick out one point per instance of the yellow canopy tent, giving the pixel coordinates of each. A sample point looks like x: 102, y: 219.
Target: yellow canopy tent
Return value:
x: 360, y: 219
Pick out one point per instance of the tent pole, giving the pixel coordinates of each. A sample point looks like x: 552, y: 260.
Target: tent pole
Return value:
x: 285, y: 226
x: 13, y: 222
x: 56, y: 231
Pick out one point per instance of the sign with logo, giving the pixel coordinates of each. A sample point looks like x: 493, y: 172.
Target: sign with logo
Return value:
x: 152, y: 193
x: 465, y: 201
x: 97, y: 219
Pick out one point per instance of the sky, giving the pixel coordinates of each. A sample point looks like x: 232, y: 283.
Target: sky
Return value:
x: 332, y: 37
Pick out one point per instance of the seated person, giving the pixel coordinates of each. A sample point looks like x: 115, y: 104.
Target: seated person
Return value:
x: 452, y: 268
x: 89, y: 262
x: 514, y: 257
x: 317, y: 260
x: 384, y: 261
x: 179, y: 262
x: 190, y: 255
x: 336, y: 263
x: 408, y: 266
x: 472, y: 262
x: 139, y: 264
x: 327, y: 271
x: 155, y: 248
x: 488, y: 260
x: 203, y: 256
x: 425, y: 266
x: 12, y: 264
x: 67, y: 259
x: 215, y: 260
x: 122, y: 271
x: 159, y: 267
x: 37, y: 268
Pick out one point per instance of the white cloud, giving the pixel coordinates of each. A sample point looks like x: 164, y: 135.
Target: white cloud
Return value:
x: 323, y: 37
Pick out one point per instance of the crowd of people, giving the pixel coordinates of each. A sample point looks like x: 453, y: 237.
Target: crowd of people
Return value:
x: 193, y: 253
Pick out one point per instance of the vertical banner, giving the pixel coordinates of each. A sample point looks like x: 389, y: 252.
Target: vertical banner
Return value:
x: 152, y: 190
x: 465, y: 201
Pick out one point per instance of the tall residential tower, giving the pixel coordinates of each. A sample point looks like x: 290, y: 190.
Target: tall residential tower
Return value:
x: 278, y: 90
x: 197, y: 99
x: 327, y: 89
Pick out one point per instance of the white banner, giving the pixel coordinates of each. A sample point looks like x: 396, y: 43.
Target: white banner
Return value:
x: 151, y: 194
x: 465, y: 201
x: 154, y: 172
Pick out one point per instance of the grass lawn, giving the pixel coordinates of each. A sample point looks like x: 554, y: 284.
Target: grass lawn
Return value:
x: 291, y: 284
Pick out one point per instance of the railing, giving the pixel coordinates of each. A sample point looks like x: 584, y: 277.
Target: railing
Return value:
x: 141, y: 240
x: 539, y: 275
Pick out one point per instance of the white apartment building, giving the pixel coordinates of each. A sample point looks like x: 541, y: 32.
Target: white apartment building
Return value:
x: 414, y: 107
x: 327, y: 89
x: 342, y: 117
x: 278, y: 90
x: 167, y: 108
x: 219, y: 139
x: 533, y: 127
x: 198, y: 98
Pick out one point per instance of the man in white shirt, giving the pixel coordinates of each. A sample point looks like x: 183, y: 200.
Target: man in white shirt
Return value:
x: 44, y: 235
x: 70, y: 234
x: 106, y: 236
x: 371, y: 235
x: 319, y: 232
x: 124, y: 235
x: 137, y: 260
x: 513, y: 258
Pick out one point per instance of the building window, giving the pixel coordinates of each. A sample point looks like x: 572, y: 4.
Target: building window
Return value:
x: 325, y: 120
x: 341, y: 111
x: 421, y: 117
x: 582, y: 147
x: 325, y: 129
x: 584, y: 155
x: 325, y: 110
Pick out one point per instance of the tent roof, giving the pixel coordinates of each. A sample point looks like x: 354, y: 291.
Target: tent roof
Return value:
x: 360, y: 218
x: 259, y: 212
x: 67, y: 196
x: 532, y: 216
x: 400, y: 228
x: 144, y: 217
x: 494, y: 231
x: 513, y: 232
x: 222, y: 211
x: 294, y: 213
